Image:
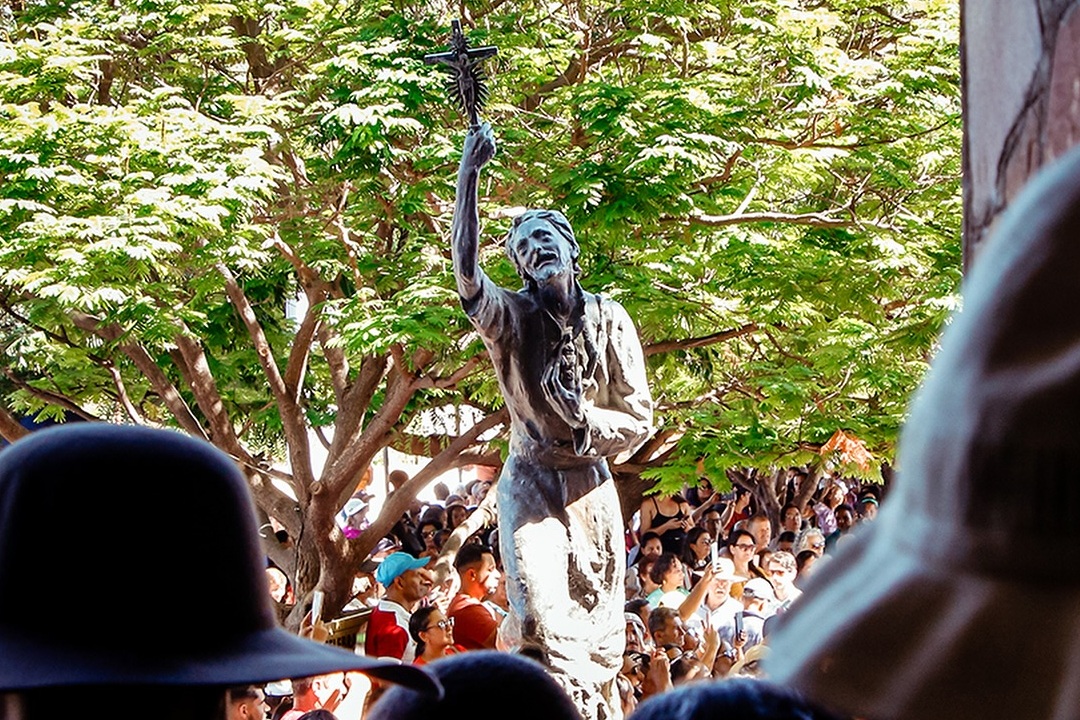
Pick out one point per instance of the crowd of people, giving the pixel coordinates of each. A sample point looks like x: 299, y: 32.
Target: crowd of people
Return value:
x: 707, y: 573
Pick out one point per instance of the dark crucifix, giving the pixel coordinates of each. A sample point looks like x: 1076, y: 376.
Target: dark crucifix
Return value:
x: 466, y: 84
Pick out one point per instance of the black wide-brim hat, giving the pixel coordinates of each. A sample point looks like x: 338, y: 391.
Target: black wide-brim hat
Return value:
x: 962, y: 599
x: 130, y: 556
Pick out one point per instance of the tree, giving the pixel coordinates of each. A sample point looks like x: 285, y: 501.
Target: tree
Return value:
x: 231, y: 218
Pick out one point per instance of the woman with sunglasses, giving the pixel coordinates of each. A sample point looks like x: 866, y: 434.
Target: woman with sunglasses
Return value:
x: 433, y: 633
x: 741, y: 548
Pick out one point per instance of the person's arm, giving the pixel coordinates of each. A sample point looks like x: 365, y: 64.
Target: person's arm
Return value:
x: 648, y: 512
x: 479, y: 149
x: 704, y: 506
x: 688, y: 521
x: 693, y: 601
x: 712, y: 647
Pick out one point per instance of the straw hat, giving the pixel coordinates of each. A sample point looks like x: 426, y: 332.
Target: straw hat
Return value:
x: 102, y: 601
x: 963, y: 598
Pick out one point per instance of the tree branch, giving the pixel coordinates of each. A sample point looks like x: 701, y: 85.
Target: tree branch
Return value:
x: 122, y: 393
x: 142, y: 360
x: 196, y: 370
x: 292, y: 415
x: 398, y: 502
x: 50, y: 397
x: 812, y: 219
x: 10, y: 427
x: 452, y: 379
x: 689, y: 343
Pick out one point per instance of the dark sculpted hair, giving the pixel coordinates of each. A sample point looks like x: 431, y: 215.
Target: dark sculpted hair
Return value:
x: 557, y: 221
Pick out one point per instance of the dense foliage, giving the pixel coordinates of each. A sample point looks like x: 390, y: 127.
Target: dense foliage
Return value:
x: 771, y: 188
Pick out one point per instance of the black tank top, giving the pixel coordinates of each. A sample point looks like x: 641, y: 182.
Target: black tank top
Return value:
x: 671, y: 540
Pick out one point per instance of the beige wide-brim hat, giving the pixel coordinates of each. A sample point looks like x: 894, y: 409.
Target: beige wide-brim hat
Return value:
x: 962, y: 600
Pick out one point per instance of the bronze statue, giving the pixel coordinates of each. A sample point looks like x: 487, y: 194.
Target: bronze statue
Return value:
x: 572, y: 371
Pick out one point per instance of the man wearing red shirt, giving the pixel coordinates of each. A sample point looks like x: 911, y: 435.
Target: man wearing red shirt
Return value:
x: 407, y: 582
x: 475, y: 625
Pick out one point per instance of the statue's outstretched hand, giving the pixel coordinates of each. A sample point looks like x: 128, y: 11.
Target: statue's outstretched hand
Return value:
x: 479, y: 146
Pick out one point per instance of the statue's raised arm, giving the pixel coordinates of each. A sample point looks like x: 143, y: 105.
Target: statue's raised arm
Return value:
x: 479, y: 149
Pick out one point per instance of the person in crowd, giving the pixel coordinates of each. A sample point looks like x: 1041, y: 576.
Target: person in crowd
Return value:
x: 786, y: 541
x: 738, y: 509
x: 781, y: 570
x: 668, y: 573
x: 433, y: 634
x: 407, y: 581
x: 441, y: 491
x: 709, y: 604
x: 640, y: 607
x: 245, y: 702
x: 760, y: 528
x: 428, y: 533
x: 669, y: 517
x: 482, y: 683
x: 650, y: 547
x: 666, y: 627
x: 825, y: 508
x: 404, y: 530
x: 697, y: 554
x: 701, y: 494
x: 757, y: 599
x: 353, y: 517
x: 321, y: 693
x: 741, y: 546
x: 478, y: 490
x: 701, y: 498
x: 804, y: 566
x: 475, y: 624
x: 636, y: 632
x: 868, y: 508
x: 456, y: 512
x: 120, y: 476
x: 712, y: 521
x: 645, y: 581
x: 280, y: 588
x: 811, y: 539
x: 791, y: 518
x: 845, y: 520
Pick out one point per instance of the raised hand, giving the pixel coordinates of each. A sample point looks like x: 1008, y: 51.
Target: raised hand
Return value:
x: 479, y: 147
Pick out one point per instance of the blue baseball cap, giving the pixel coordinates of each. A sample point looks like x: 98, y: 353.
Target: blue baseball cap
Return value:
x: 395, y: 564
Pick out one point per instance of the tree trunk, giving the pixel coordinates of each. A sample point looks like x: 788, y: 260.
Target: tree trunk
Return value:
x: 1021, y: 67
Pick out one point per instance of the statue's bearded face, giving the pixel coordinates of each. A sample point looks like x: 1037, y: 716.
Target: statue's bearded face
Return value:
x: 540, y: 251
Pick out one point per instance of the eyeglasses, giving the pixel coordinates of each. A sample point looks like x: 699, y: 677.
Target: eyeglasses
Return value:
x: 444, y: 624
x: 744, y: 546
x: 817, y: 545
x: 428, y: 533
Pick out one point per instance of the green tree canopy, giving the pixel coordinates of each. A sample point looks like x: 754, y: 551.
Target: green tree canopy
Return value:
x: 231, y: 217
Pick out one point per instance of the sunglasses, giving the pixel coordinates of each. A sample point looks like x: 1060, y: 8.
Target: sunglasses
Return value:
x: 744, y: 546
x: 444, y: 624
